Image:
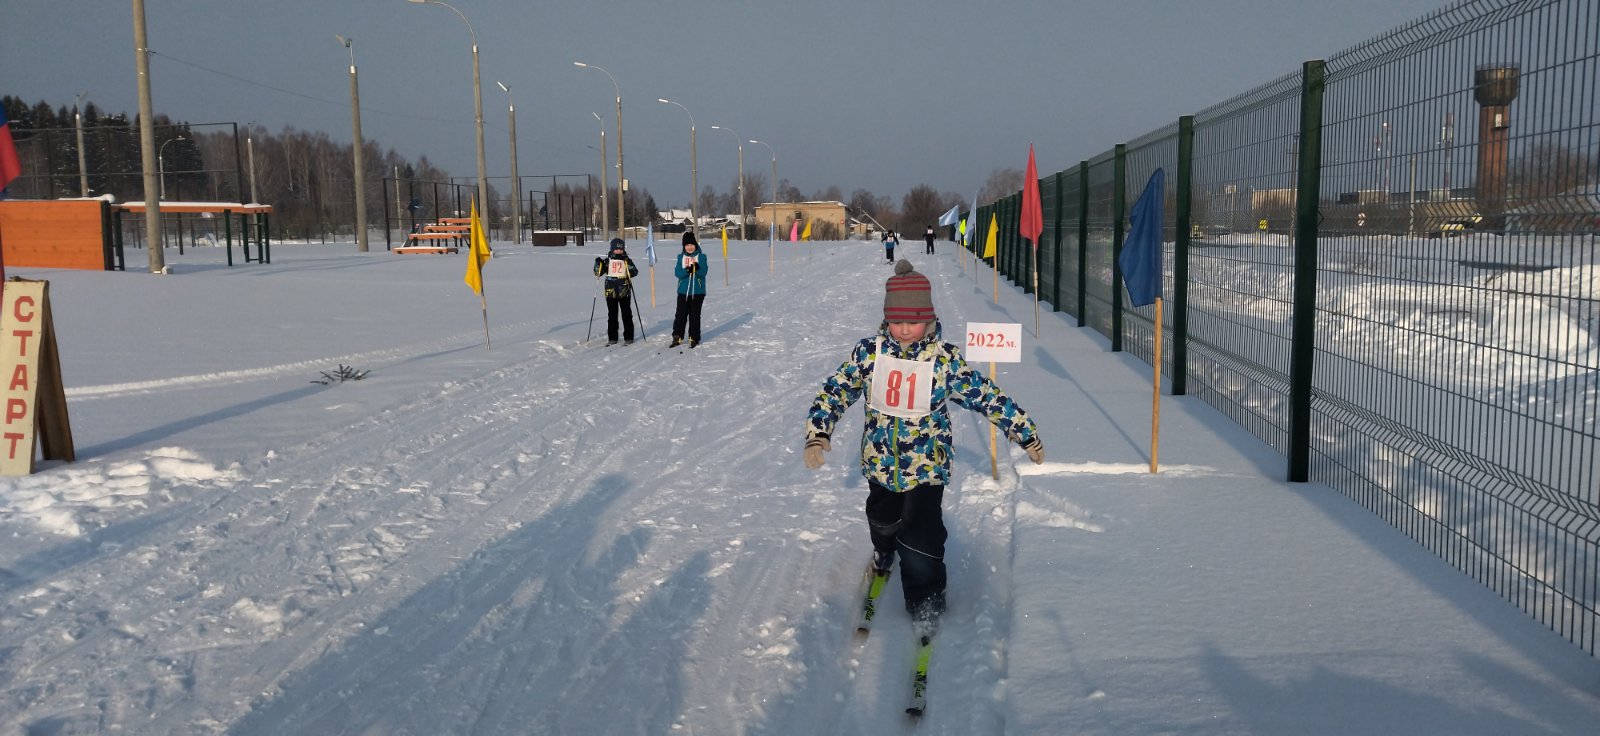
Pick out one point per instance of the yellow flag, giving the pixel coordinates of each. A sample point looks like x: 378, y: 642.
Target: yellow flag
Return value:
x: 807, y: 234
x: 724, y: 242
x: 479, y: 253
x: 994, y: 233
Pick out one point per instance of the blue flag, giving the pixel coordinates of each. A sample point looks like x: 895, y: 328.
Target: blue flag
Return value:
x: 1141, y: 259
x: 952, y: 217
x: 650, y: 244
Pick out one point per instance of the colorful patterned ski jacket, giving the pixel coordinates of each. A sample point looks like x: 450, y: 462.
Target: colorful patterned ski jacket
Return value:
x: 900, y: 454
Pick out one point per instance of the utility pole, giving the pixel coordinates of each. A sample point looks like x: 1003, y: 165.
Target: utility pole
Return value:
x: 147, y: 143
x: 357, y: 159
x: 83, y: 170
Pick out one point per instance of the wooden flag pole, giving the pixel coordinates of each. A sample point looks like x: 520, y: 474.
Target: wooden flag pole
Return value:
x: 483, y: 301
x: 1155, y: 416
x: 1035, y: 288
x: 652, y: 287
x: 996, y: 266
x: 994, y: 446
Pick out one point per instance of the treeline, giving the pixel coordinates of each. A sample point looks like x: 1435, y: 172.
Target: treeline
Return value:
x: 308, y: 177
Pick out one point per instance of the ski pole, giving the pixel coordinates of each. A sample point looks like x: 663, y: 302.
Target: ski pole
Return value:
x: 637, y: 308
x: 592, y: 303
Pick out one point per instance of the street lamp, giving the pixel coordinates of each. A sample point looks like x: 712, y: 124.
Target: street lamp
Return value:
x: 250, y: 155
x: 622, y: 178
x: 741, y: 174
x: 77, y: 122
x: 357, y: 161
x: 774, y: 178
x: 161, y: 163
x: 516, y: 183
x: 772, y: 217
x: 477, y: 104
x: 605, y: 215
x: 694, y: 169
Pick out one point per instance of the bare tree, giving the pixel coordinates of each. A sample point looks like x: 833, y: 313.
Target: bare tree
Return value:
x: 1548, y: 169
x: 1001, y: 183
x: 921, y: 207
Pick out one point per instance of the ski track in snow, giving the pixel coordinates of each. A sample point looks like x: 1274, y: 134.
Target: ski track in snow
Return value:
x: 500, y: 560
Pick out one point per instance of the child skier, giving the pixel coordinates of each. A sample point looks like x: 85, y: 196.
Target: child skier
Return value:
x: 618, y: 269
x: 691, y: 272
x: 908, y: 374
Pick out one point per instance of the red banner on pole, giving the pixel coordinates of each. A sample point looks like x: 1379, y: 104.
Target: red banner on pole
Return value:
x: 1032, y: 221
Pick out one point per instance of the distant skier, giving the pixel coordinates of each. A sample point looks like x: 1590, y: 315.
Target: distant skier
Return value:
x: 618, y: 270
x: 691, y: 271
x: 890, y: 240
x: 908, y: 374
x: 928, y: 236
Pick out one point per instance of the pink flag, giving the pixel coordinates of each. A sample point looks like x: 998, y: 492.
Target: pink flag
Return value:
x: 794, y: 231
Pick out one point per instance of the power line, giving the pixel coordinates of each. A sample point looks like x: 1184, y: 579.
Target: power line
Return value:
x: 304, y: 96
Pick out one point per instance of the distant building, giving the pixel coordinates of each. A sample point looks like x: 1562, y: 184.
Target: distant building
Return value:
x: 829, y: 220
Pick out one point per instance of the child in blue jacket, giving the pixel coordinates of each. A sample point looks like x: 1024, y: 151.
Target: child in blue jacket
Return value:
x: 691, y: 270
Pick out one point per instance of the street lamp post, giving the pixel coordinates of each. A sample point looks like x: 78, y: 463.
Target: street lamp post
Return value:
x: 622, y: 175
x: 357, y: 161
x: 477, y: 105
x: 741, y: 174
x: 694, y: 169
x: 516, y: 183
x: 772, y: 220
x: 250, y: 155
x: 77, y: 122
x: 605, y: 214
x: 161, y: 164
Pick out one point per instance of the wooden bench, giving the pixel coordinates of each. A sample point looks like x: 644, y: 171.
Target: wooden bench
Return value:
x: 415, y: 243
x: 557, y: 237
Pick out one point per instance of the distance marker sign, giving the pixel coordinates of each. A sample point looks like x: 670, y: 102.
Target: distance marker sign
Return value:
x: 994, y: 342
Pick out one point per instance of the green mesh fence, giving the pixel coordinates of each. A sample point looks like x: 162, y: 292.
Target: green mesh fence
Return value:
x: 1416, y: 315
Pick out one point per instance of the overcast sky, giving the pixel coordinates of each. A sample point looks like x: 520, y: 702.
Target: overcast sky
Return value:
x: 875, y: 94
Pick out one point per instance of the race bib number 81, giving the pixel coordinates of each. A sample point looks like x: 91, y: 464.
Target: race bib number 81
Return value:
x: 901, y: 388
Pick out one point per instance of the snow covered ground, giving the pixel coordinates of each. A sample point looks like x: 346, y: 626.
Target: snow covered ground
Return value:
x: 555, y: 537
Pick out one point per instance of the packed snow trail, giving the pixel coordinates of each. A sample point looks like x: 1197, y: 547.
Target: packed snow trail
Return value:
x: 505, y: 554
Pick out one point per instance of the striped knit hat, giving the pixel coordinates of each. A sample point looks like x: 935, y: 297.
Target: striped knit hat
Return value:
x: 907, y: 296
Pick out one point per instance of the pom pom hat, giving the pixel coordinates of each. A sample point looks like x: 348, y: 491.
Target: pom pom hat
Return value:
x: 907, y: 296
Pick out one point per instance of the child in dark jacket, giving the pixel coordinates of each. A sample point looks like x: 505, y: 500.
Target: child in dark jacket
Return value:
x: 909, y: 376
x: 618, y: 270
x: 691, y: 271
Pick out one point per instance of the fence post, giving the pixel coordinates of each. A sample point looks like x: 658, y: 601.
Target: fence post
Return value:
x: 1303, y: 334
x: 1180, y: 257
x: 1083, y: 242
x: 1119, y: 212
x: 1055, y: 240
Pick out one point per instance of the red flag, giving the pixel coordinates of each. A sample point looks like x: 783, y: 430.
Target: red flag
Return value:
x: 1032, y: 221
x: 10, y: 166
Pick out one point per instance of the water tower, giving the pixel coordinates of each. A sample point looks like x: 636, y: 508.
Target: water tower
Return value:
x: 1494, y: 87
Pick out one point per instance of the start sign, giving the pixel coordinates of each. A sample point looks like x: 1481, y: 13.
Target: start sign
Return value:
x: 34, y: 404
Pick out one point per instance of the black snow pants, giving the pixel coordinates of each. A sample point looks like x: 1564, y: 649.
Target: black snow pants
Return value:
x: 912, y: 524
x: 615, y: 304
